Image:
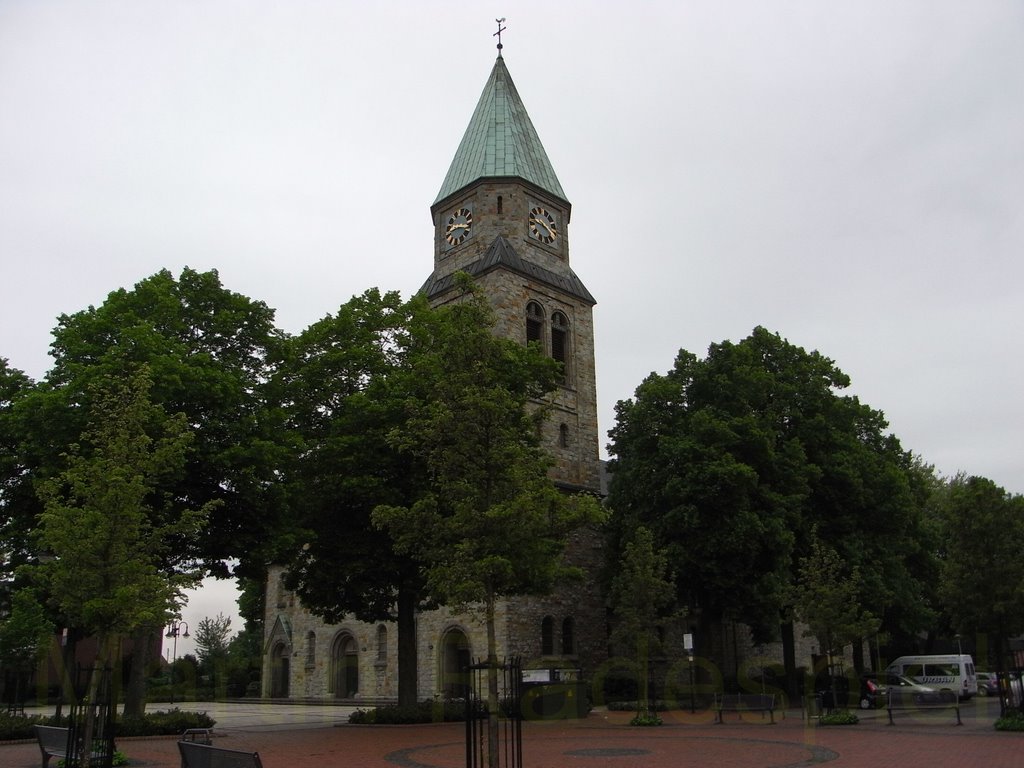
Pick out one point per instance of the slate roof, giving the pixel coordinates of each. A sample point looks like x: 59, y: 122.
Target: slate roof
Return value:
x: 502, y: 254
x: 500, y: 141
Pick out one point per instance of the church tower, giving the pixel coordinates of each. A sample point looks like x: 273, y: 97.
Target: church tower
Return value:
x: 502, y: 217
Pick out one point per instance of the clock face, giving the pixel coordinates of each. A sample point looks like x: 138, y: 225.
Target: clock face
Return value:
x: 458, y: 226
x: 542, y: 225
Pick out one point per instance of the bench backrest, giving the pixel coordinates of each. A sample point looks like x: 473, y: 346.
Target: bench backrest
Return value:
x: 196, y: 755
x: 747, y: 700
x: 52, y: 737
x: 902, y: 698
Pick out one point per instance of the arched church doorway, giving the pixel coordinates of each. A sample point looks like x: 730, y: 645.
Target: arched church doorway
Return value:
x: 455, y: 658
x: 345, y: 667
x: 279, y: 672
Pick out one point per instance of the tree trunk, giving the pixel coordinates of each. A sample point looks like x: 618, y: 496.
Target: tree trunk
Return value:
x: 66, y: 670
x: 644, y: 694
x: 492, y: 687
x: 135, y: 690
x: 407, y: 647
x: 105, y: 656
x: 858, y: 655
x: 794, y: 683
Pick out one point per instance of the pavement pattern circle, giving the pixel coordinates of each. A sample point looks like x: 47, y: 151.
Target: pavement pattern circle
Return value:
x: 679, y: 751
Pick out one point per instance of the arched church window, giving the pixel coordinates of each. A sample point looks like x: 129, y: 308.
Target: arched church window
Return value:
x: 563, y: 435
x: 560, y: 342
x: 534, y: 323
x: 311, y: 649
x: 568, y: 636
x: 282, y: 593
x: 382, y: 643
x: 547, y: 636
x: 499, y: 203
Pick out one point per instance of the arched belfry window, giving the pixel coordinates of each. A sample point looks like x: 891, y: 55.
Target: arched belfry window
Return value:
x: 560, y: 342
x: 534, y: 323
x: 563, y: 435
x: 547, y: 636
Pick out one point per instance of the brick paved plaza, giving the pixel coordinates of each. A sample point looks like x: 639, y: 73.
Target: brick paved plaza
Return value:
x: 295, y: 736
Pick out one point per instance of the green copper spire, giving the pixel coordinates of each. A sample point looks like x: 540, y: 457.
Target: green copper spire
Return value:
x: 500, y: 141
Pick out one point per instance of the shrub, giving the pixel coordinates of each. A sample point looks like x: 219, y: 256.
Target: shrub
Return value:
x: 14, y: 727
x: 1012, y: 721
x: 633, y: 706
x: 646, y: 720
x: 118, y: 758
x: 424, y: 712
x: 167, y: 723
x: 840, y: 717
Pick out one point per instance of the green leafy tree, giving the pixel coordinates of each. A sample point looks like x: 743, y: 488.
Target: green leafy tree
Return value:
x: 25, y: 637
x: 981, y: 582
x: 245, y: 651
x: 827, y: 598
x: 642, y: 595
x: 18, y: 505
x: 209, y: 352
x: 212, y: 638
x: 733, y: 460
x: 488, y: 523
x: 341, y: 394
x: 117, y: 564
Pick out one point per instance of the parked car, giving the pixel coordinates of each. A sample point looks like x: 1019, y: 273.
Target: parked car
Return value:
x: 872, y: 692
x: 988, y: 684
x: 905, y: 683
x: 902, y: 687
x: 870, y: 696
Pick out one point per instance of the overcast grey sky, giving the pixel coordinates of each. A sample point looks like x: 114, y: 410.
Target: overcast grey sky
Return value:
x: 847, y: 174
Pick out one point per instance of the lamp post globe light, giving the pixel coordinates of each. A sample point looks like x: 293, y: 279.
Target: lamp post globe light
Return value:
x: 174, y: 630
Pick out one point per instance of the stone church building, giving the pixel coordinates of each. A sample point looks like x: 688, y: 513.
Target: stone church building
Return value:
x: 502, y: 216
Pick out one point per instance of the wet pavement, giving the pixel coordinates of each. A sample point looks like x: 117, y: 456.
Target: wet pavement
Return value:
x: 296, y: 735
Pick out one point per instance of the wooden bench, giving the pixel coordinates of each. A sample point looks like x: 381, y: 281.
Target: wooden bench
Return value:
x: 899, y: 699
x: 53, y: 742
x: 744, y: 702
x: 198, y: 735
x: 197, y: 755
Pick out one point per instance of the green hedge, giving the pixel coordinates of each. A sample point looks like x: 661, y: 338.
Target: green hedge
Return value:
x: 424, y: 712
x: 171, y: 722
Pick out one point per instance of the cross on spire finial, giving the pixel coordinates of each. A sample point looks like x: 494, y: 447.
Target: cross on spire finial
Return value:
x: 498, y: 33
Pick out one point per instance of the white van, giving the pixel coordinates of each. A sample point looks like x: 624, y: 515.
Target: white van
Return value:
x: 949, y: 672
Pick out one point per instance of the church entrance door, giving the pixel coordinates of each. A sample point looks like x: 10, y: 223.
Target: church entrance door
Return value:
x: 279, y: 673
x: 455, y: 660
x: 345, y: 663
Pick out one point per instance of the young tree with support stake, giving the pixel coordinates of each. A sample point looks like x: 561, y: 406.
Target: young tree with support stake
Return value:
x: 488, y: 523
x: 826, y: 598
x: 642, y: 594
x: 102, y: 524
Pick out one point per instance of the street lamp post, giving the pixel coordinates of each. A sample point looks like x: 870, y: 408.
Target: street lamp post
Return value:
x: 173, y: 631
x: 688, y: 647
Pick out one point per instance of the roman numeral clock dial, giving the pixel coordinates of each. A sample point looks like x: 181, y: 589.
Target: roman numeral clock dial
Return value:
x: 458, y: 227
x: 542, y: 225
